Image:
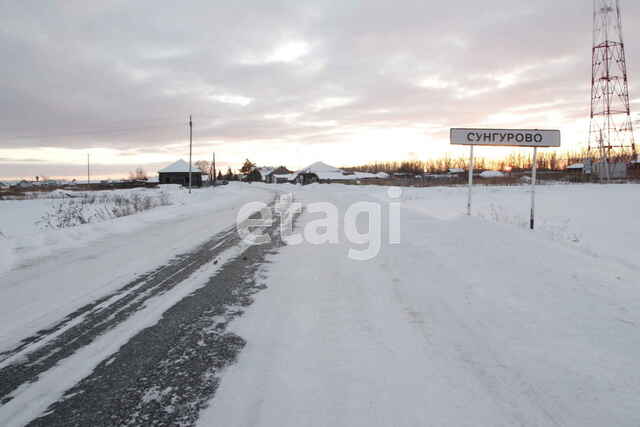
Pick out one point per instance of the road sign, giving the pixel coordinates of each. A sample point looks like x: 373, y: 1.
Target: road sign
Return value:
x: 506, y: 137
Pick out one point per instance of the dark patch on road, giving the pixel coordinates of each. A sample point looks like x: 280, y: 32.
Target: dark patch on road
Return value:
x: 168, y: 372
x: 100, y: 316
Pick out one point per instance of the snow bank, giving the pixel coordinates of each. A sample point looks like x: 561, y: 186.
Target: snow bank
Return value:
x: 53, y: 272
x: 24, y: 222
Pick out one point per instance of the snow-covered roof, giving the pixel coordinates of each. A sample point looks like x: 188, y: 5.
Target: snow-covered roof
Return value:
x: 491, y: 174
x: 456, y: 170
x: 576, y: 166
x: 179, y: 167
x: 327, y: 172
x: 322, y: 170
x: 264, y: 171
x: 321, y: 167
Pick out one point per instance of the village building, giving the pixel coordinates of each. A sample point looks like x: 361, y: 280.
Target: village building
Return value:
x: 23, y: 184
x: 178, y: 173
x: 616, y: 170
x: 280, y: 175
x: 264, y: 171
x: 576, y: 168
x: 457, y: 171
x: 324, y: 173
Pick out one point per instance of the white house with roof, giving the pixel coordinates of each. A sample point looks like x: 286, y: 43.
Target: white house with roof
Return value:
x: 178, y: 173
x: 322, y: 172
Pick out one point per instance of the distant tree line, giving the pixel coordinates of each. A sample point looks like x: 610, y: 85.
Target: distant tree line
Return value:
x: 551, y: 161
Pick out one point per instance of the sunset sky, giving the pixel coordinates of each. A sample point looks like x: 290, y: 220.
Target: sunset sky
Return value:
x: 285, y: 82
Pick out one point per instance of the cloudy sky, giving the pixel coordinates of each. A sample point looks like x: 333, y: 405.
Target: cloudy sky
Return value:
x: 283, y: 81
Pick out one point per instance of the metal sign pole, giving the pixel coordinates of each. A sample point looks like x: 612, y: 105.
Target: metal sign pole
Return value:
x: 534, y: 170
x: 534, y: 138
x: 470, y: 181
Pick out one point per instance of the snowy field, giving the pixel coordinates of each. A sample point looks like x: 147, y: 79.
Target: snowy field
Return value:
x: 465, y: 321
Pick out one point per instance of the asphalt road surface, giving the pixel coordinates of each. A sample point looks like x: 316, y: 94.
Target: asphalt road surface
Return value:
x: 166, y: 373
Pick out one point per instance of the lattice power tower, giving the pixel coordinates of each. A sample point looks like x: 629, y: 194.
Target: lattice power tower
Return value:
x: 611, y: 128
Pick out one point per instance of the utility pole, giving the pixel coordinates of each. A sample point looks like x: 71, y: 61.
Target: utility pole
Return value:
x: 190, y: 150
x: 213, y: 165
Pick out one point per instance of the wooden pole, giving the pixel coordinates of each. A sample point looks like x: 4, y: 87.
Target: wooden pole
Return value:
x: 190, y: 151
x: 213, y: 165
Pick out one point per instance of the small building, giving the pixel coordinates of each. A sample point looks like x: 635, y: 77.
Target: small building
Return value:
x: 278, y: 176
x: 616, y: 170
x: 576, y: 168
x: 264, y: 172
x: 634, y: 169
x: 23, y: 184
x: 178, y: 173
x: 324, y: 173
x: 3, y: 185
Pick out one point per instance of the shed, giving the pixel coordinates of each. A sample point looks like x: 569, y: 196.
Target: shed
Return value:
x: 576, y: 167
x: 178, y: 173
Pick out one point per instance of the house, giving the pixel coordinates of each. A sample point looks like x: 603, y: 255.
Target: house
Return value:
x: 322, y: 172
x: 576, y: 168
x: 178, y: 173
x: 23, y: 184
x: 3, y: 185
x: 319, y: 172
x: 278, y: 175
x: 456, y: 171
x: 264, y: 171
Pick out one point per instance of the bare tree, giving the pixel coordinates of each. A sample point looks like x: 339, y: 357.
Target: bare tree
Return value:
x: 204, y: 166
x: 138, y: 174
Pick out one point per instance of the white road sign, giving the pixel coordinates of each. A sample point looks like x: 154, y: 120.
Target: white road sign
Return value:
x: 506, y: 137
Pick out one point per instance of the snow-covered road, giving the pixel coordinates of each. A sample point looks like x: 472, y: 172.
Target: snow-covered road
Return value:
x: 455, y: 321
x: 464, y: 323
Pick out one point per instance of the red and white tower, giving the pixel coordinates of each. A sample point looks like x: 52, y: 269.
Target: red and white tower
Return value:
x: 611, y: 128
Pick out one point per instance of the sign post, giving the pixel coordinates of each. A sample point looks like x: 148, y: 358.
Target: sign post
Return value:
x: 507, y: 138
x: 534, y: 171
x: 470, y: 180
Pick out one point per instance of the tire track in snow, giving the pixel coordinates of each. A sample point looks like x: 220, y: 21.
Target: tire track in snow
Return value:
x: 40, y: 352
x: 167, y: 373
